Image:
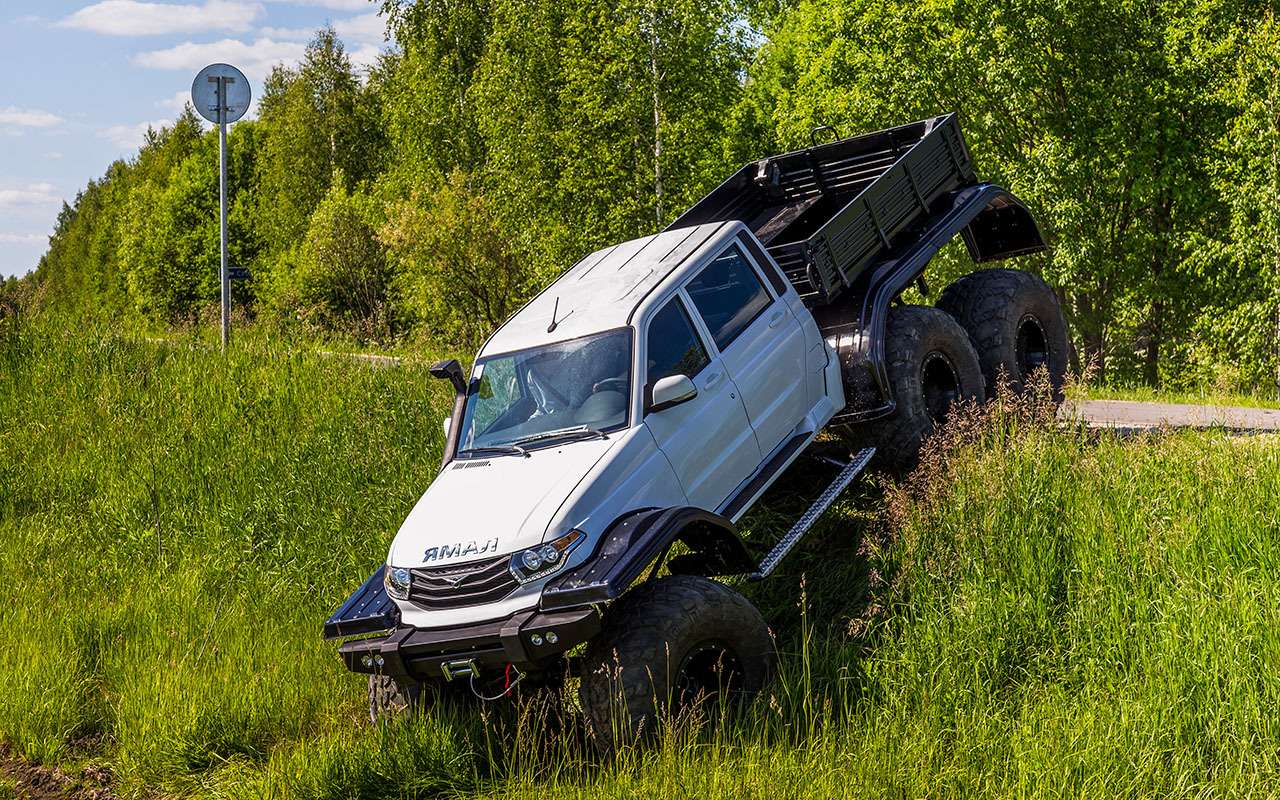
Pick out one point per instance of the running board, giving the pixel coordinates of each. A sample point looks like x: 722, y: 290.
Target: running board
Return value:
x: 841, y: 482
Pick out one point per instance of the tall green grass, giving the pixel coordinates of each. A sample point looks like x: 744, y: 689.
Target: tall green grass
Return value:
x: 1043, y: 613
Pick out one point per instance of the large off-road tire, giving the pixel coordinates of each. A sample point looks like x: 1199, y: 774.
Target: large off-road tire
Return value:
x: 932, y: 366
x: 676, y: 643
x: 389, y: 697
x: 1016, y: 326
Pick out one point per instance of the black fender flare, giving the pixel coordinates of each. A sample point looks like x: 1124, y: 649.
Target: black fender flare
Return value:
x: 642, y: 538
x: 993, y: 223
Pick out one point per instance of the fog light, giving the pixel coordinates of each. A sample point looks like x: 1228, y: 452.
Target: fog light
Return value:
x: 536, y: 639
x: 367, y: 660
x: 552, y: 638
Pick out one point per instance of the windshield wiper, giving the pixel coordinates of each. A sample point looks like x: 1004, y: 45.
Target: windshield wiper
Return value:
x: 577, y: 432
x: 505, y: 449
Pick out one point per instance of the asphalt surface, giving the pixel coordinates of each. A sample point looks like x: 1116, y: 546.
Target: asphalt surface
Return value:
x: 1129, y: 415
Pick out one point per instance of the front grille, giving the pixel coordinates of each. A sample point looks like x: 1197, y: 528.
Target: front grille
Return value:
x: 463, y: 585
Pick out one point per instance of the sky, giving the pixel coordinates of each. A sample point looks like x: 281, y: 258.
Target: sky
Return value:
x: 81, y: 81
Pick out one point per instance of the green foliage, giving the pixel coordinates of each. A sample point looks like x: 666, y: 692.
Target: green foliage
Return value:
x: 455, y: 271
x: 337, y: 278
x: 1142, y: 136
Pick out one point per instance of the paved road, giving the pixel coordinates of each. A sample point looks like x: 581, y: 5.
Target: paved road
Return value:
x: 1126, y: 414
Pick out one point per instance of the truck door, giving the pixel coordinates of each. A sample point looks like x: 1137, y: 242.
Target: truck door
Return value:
x: 759, y: 340
x: 708, y: 440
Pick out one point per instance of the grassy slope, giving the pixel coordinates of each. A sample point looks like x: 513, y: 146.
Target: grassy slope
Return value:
x: 1054, y: 617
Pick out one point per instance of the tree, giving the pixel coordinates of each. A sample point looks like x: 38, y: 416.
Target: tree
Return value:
x: 314, y: 126
x: 337, y: 278
x: 455, y: 272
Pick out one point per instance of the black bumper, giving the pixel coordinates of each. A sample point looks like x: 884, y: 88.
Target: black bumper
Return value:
x: 421, y: 654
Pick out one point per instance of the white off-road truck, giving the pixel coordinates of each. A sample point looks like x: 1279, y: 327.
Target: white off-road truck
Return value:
x: 613, y: 431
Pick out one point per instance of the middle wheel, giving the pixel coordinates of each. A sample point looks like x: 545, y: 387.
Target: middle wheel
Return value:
x: 932, y: 366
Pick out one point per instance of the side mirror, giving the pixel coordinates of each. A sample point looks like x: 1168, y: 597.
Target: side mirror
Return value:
x: 672, y: 391
x: 452, y: 370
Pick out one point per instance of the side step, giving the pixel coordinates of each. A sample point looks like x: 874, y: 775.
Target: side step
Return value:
x: 841, y: 482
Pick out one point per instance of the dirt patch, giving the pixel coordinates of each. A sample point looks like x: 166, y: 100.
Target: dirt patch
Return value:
x: 33, y: 781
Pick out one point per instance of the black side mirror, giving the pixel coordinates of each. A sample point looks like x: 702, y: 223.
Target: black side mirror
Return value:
x: 452, y: 370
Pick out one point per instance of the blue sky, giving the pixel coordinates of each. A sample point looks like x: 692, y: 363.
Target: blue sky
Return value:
x: 81, y: 81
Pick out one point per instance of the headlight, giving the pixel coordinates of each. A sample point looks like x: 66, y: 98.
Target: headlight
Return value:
x: 396, y: 579
x: 545, y: 559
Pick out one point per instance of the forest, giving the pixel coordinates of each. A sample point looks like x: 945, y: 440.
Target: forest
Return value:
x: 419, y: 202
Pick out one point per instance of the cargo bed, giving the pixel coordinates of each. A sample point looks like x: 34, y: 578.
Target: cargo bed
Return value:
x: 828, y: 212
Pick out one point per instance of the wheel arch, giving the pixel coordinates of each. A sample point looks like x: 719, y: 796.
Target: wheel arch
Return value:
x: 641, y: 540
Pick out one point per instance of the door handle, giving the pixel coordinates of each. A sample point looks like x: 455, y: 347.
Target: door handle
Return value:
x: 713, y: 379
x: 776, y: 318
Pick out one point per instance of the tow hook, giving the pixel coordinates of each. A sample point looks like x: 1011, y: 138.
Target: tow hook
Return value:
x: 508, y: 683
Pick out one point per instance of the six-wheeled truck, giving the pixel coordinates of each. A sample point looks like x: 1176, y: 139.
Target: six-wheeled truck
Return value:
x: 614, y: 430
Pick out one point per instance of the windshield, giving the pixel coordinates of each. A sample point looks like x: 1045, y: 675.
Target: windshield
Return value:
x: 577, y: 387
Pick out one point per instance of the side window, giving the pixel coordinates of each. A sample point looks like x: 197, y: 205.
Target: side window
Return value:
x: 780, y: 284
x: 728, y: 295
x: 673, y: 347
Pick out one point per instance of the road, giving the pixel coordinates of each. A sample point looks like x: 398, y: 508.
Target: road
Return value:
x: 1129, y: 415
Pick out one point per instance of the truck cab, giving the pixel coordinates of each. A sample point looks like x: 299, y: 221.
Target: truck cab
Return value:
x: 667, y: 371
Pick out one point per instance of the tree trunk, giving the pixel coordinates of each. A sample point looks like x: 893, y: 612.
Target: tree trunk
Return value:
x: 657, y: 118
x: 1151, y: 356
x: 1093, y: 356
x: 1274, y: 113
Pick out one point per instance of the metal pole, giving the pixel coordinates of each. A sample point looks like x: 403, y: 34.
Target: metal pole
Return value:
x: 222, y: 209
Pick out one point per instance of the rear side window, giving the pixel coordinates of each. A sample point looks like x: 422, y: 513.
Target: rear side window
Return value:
x: 728, y: 295
x: 673, y: 349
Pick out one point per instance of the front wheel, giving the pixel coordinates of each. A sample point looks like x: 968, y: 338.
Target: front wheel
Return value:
x: 679, y: 643
x: 390, y: 697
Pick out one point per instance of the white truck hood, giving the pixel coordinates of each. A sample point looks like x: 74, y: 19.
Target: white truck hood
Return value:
x: 482, y: 507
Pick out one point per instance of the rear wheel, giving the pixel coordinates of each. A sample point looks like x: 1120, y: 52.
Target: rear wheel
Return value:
x: 932, y: 366
x: 679, y: 643
x: 1016, y: 326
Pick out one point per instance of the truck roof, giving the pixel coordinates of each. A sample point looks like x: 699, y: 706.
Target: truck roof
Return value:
x: 601, y: 291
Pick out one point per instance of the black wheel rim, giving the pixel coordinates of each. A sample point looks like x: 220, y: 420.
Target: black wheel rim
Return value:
x: 940, y: 386
x: 1032, y: 347
x: 708, y: 673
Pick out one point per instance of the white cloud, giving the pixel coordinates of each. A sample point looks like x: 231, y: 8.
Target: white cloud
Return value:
x: 138, y: 18
x: 130, y: 137
x: 22, y: 238
x: 362, y: 29
x: 53, y: 155
x: 28, y: 117
x: 30, y: 195
x: 365, y: 55
x: 255, y: 59
x: 175, y: 103
x: 336, y: 5
x: 366, y: 28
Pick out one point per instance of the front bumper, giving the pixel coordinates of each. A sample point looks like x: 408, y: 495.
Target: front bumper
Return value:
x: 422, y: 654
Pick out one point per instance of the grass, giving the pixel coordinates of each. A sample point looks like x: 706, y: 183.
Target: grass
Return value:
x: 1043, y: 613
x: 1202, y: 396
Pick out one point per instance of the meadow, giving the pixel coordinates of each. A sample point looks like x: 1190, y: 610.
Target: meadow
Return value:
x: 1041, y: 612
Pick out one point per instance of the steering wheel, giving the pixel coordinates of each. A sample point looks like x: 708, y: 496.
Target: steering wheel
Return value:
x: 610, y: 385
